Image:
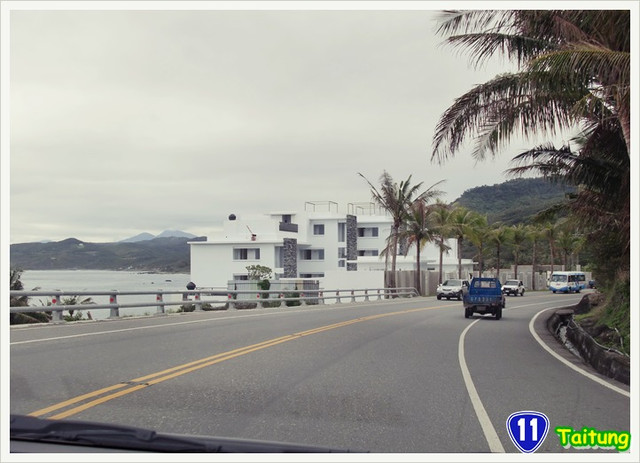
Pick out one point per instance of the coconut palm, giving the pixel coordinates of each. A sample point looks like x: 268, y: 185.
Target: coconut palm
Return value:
x: 550, y: 233
x: 440, y: 220
x: 518, y: 238
x: 534, y: 234
x: 461, y: 220
x: 499, y: 236
x: 417, y: 230
x: 572, y: 72
x: 396, y: 199
x: 572, y: 67
x: 480, y: 235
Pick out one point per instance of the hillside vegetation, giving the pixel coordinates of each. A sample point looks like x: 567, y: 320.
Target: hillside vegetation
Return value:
x: 514, y: 201
x: 159, y: 254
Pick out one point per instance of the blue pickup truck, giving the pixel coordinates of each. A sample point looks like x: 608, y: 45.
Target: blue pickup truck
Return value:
x: 484, y: 296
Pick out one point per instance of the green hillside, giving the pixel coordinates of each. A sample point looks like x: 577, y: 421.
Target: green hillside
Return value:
x: 513, y: 201
x: 160, y: 254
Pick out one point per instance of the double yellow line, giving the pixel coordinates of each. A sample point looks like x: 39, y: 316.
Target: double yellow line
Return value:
x: 118, y: 390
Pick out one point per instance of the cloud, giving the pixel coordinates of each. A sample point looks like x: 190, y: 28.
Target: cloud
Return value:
x: 130, y: 121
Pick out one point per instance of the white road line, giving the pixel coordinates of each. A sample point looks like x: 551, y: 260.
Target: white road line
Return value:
x: 485, y: 423
x: 164, y: 325
x: 569, y: 364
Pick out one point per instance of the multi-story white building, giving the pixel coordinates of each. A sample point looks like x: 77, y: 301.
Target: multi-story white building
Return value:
x: 340, y: 249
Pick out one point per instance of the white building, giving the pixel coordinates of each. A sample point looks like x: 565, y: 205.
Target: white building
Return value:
x: 342, y: 250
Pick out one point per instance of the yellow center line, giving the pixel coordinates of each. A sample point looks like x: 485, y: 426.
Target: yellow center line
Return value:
x: 174, y: 372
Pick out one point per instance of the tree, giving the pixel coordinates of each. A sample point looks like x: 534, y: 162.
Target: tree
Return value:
x: 461, y: 221
x: 573, y: 72
x: 499, y: 236
x: 550, y: 233
x: 480, y: 235
x: 440, y: 221
x: 534, y: 234
x: 518, y: 238
x: 396, y: 199
x: 417, y: 230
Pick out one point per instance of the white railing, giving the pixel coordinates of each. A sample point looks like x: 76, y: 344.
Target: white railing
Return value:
x: 202, y: 298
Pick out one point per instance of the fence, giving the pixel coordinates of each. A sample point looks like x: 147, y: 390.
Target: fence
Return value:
x: 200, y: 298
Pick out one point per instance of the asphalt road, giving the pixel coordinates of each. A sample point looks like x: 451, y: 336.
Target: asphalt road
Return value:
x: 403, y: 376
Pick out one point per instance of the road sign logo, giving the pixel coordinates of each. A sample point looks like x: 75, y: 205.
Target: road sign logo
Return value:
x: 528, y: 430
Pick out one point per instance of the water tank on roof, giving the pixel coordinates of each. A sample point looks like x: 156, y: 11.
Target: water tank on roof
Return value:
x: 232, y: 217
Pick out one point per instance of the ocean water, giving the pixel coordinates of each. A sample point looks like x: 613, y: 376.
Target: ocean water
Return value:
x: 106, y: 280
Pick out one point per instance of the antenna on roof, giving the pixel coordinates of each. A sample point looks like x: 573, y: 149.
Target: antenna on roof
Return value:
x: 253, y: 235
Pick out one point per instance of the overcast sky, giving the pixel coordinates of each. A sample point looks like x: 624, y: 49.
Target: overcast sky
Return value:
x: 125, y: 121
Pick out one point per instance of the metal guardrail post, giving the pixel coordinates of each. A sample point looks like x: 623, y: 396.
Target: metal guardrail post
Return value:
x: 321, y: 299
x: 379, y: 295
x: 114, y: 312
x: 366, y: 295
x: 56, y: 315
x: 338, y: 297
x: 282, y: 302
x: 198, y: 301
x: 353, y: 297
x: 302, y: 300
x: 259, y: 303
x: 160, y: 308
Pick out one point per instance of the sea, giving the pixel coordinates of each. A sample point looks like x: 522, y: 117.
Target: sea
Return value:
x: 106, y: 280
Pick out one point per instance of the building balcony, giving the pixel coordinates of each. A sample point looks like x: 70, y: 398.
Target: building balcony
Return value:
x: 288, y: 227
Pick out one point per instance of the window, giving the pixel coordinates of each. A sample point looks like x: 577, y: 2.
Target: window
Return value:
x: 318, y: 229
x: 246, y: 254
x: 342, y: 263
x: 342, y: 232
x: 367, y: 232
x: 367, y: 252
x: 342, y: 253
x: 312, y: 254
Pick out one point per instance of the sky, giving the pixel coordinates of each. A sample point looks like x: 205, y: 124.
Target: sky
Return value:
x: 125, y: 121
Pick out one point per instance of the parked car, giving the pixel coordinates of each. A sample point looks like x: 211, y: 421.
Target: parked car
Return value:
x: 452, y: 289
x: 513, y: 288
x: 592, y: 284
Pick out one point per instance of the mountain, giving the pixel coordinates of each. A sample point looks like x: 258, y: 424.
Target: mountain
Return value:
x: 140, y: 237
x: 165, y: 234
x: 514, y: 201
x: 175, y: 233
x: 170, y: 254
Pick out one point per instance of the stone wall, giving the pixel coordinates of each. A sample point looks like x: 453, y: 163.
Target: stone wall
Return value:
x: 290, y: 257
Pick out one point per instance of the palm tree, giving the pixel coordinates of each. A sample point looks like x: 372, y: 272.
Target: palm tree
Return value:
x: 550, y: 233
x: 499, y: 236
x: 417, y: 230
x: 534, y: 234
x: 518, y: 237
x: 480, y: 235
x: 568, y: 242
x: 396, y: 199
x: 573, y: 71
x: 440, y: 221
x: 460, y: 222
x: 572, y: 66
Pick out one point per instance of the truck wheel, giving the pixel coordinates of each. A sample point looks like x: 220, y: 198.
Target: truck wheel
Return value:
x: 498, y: 313
x: 467, y: 313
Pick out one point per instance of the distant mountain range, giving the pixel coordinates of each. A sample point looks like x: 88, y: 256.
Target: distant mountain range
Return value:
x: 165, y: 234
x: 159, y: 254
x: 509, y: 202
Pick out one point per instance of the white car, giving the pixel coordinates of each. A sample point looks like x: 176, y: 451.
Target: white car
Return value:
x: 513, y: 288
x: 452, y: 289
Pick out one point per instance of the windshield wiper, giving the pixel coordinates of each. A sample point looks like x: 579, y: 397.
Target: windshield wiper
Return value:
x: 87, y: 433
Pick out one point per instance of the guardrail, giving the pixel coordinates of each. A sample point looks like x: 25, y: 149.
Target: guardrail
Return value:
x: 198, y: 298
